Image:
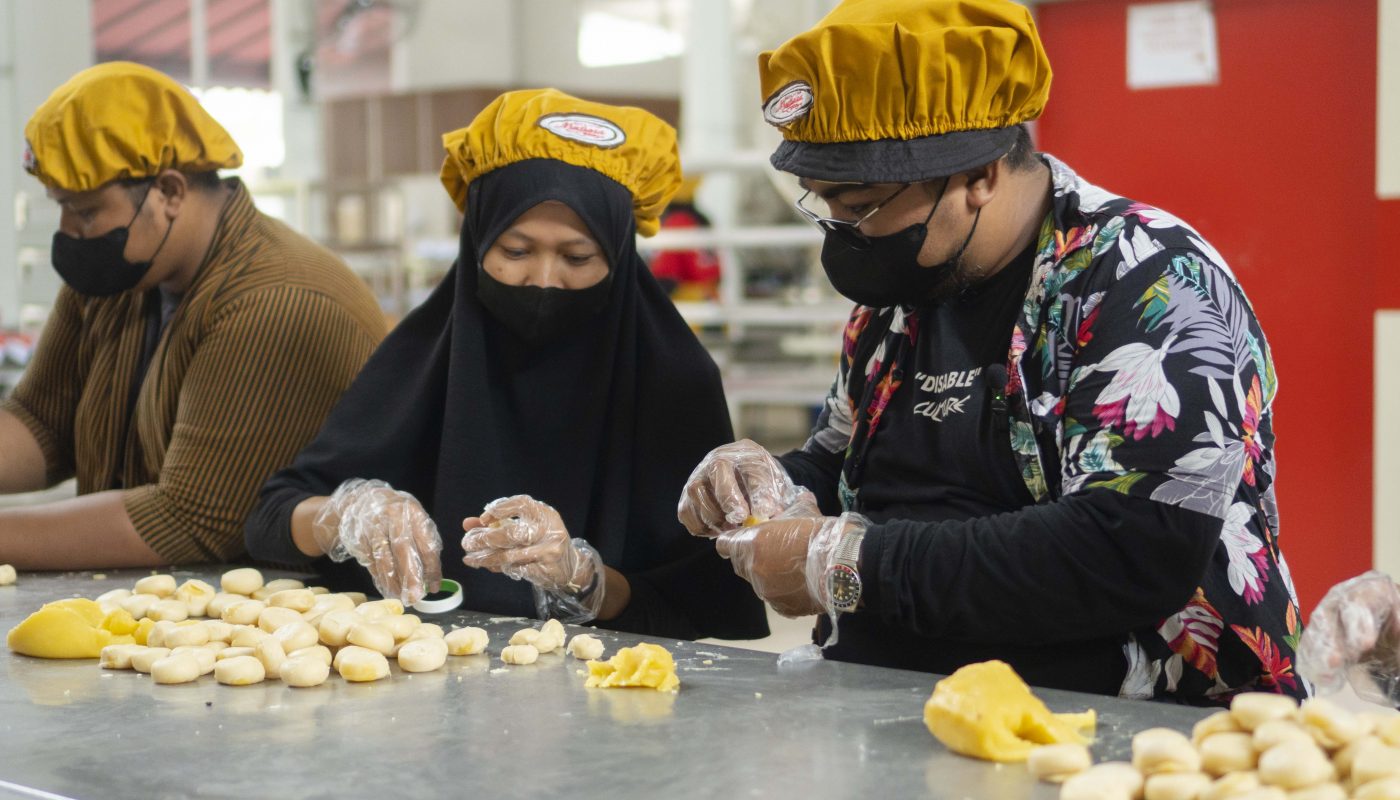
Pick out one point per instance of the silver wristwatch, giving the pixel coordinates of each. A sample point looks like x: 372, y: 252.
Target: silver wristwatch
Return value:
x: 842, y: 577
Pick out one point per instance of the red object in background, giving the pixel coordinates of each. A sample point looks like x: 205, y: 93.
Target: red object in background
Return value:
x: 1276, y: 167
x: 685, y: 267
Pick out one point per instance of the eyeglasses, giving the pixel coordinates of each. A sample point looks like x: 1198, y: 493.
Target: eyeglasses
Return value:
x: 848, y: 230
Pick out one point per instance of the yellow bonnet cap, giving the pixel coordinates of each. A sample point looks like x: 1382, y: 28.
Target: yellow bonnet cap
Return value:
x: 122, y: 120
x: 904, y: 90
x: 628, y: 145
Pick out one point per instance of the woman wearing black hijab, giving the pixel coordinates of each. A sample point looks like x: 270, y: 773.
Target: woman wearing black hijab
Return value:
x: 548, y: 363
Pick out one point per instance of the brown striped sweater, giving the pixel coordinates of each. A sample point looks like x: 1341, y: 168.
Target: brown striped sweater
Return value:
x: 264, y: 341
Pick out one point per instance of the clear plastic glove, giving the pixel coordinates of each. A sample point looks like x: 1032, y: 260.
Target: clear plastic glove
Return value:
x: 787, y: 559
x: 739, y: 484
x: 526, y: 539
x: 387, y: 532
x: 1354, y: 635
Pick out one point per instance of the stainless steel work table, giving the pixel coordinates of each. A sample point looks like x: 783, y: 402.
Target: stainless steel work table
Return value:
x: 739, y: 727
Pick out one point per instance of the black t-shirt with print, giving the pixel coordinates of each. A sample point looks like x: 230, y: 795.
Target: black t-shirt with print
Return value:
x: 941, y: 449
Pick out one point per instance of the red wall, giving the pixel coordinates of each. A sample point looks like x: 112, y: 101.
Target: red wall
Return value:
x: 1276, y: 167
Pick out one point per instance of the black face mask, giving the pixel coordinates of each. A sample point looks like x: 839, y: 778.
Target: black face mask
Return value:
x: 885, y: 271
x: 538, y: 314
x: 97, y: 267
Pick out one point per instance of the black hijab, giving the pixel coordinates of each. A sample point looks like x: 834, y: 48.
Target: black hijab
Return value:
x: 604, y: 423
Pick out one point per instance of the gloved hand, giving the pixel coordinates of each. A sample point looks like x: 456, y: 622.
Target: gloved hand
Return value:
x: 786, y: 559
x: 526, y: 539
x: 387, y: 532
x: 738, y: 484
x: 1354, y: 634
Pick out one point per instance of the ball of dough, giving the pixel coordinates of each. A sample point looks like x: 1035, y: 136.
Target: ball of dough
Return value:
x: 318, y: 590
x: 379, y: 608
x: 1051, y: 762
x: 552, y: 636
x: 296, y: 636
x: 1383, y: 789
x: 239, y: 671
x: 274, y: 586
x: 1232, y: 785
x: 219, y: 602
x: 143, y: 660
x: 305, y: 671
x: 359, y: 664
x: 400, y: 626
x: 586, y: 647
x: 299, y: 600
x: 1222, y: 753
x: 158, y: 585
x: 1374, y: 762
x: 314, y: 651
x: 467, y: 641
x: 269, y: 651
x: 1164, y: 750
x: 1175, y: 786
x: 1253, y: 709
x: 138, y: 604
x: 1277, y: 731
x: 1295, y: 765
x: 422, y: 655
x: 1111, y: 780
x: 1331, y: 725
x: 333, y: 602
x: 155, y: 637
x: 273, y: 618
x: 1387, y: 728
x: 427, y: 630
x: 335, y: 627
x: 186, y: 636
x: 244, y: 581
x: 175, y: 668
x: 7, y: 574
x: 118, y: 656
x: 202, y: 656
x: 524, y: 636
x: 247, y: 636
x: 375, y: 637
x: 1322, y: 791
x: 358, y: 598
x: 244, y: 612
x: 233, y: 652
x: 1343, y: 758
x: 115, y: 596
x: 219, y: 631
x: 520, y: 654
x: 196, y: 595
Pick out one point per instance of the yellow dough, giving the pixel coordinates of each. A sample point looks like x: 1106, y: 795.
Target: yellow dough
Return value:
x: 74, y: 628
x: 986, y: 711
x: 646, y: 665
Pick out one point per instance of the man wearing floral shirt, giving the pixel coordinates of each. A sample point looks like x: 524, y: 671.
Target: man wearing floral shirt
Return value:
x: 1049, y: 440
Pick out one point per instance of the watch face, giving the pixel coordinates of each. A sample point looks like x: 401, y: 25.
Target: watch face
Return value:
x: 843, y: 585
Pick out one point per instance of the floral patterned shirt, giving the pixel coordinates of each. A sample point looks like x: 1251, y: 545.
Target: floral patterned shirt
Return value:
x: 1136, y: 366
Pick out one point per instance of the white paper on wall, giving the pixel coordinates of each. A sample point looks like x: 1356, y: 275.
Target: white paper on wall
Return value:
x: 1172, y: 44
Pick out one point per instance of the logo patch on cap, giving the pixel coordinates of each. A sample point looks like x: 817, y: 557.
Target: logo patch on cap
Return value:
x: 584, y: 128
x: 791, y: 103
x: 28, y: 160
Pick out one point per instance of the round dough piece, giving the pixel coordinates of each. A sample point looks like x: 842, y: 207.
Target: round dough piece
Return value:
x: 1322, y: 791
x: 186, y: 636
x: 375, y: 637
x: 379, y: 608
x: 195, y: 594
x: 273, y: 618
x: 138, y: 604
x: 314, y: 651
x: 1295, y: 765
x: 234, y: 652
x: 296, y: 636
x: 220, y: 601
x: 176, y: 668
x: 219, y: 631
x: 1331, y: 725
x: 524, y: 636
x: 1253, y: 709
x: 1231, y: 786
x: 116, y: 596
x: 1175, y: 786
x: 143, y: 661
x: 427, y: 630
x: 401, y: 626
x: 202, y: 656
x: 586, y: 647
x: 8, y: 575
x: 239, y: 671
x: 118, y: 656
x: 520, y: 654
x: 1111, y: 780
x: 155, y: 637
x: 274, y: 586
x: 1164, y: 750
x: 158, y: 585
x: 422, y: 655
x: 243, y: 612
x: 1278, y: 731
x: 269, y: 651
x: 305, y: 671
x: 360, y: 664
x: 1223, y: 753
x: 299, y: 600
x: 1374, y: 762
x: 244, y: 581
x: 1383, y: 789
x: 467, y: 641
x: 1052, y: 762
x: 247, y: 636
x: 552, y: 636
x: 335, y: 627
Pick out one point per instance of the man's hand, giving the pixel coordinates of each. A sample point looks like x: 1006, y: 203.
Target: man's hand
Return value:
x: 738, y: 484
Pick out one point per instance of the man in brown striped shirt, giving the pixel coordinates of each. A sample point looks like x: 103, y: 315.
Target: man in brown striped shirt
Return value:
x: 197, y: 346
